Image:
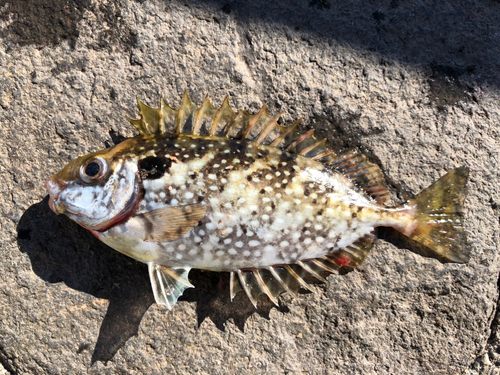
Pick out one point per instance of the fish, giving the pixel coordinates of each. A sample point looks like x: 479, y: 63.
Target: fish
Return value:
x: 229, y: 191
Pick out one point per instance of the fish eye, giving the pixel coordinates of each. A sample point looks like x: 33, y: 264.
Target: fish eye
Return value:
x: 93, y: 170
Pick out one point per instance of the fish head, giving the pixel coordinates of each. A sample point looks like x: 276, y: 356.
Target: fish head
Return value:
x: 98, y: 190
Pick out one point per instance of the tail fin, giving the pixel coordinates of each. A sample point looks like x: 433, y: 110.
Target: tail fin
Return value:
x: 438, y: 217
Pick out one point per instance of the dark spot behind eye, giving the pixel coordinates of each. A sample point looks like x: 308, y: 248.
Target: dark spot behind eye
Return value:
x: 154, y: 167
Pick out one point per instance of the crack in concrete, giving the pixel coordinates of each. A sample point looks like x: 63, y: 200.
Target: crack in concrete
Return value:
x: 492, y: 343
x: 4, y: 361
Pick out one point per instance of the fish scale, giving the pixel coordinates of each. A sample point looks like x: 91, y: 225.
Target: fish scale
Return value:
x: 229, y: 191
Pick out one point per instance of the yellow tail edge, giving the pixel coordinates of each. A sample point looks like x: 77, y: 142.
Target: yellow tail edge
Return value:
x: 438, y: 215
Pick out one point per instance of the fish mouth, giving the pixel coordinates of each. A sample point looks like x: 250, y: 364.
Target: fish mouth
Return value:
x: 54, y: 188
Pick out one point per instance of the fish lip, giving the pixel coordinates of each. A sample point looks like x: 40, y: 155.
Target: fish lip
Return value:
x: 55, y: 187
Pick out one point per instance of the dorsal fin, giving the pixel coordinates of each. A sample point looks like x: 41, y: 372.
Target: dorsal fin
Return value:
x: 203, y: 120
x: 275, y: 280
x: 261, y: 128
x: 186, y: 116
x: 168, y: 117
x: 364, y: 174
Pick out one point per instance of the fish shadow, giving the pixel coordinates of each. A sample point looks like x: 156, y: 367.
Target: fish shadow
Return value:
x: 62, y: 251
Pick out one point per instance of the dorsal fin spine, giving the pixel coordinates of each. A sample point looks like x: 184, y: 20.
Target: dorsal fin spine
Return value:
x: 185, y: 112
x: 168, y: 116
x: 138, y: 125
x: 253, y: 121
x: 206, y: 106
x: 225, y: 107
x: 235, y: 120
x: 268, y: 128
x: 286, y: 132
x: 301, y: 138
x: 149, y: 118
x: 161, y: 120
x: 312, y: 147
x: 323, y: 155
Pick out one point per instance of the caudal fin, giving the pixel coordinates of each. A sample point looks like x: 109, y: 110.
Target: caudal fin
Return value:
x: 438, y: 217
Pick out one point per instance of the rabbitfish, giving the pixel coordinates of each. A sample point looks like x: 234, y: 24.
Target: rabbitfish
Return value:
x: 219, y: 190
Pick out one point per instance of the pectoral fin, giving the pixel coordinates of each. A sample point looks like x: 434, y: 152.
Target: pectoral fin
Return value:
x: 168, y: 283
x: 170, y: 223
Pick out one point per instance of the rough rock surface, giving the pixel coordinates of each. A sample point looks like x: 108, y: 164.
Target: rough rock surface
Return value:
x: 413, y: 84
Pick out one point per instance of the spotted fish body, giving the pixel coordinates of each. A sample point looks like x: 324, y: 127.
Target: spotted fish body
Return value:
x: 215, y: 191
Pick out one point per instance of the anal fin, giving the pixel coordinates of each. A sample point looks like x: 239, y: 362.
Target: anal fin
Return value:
x: 353, y: 255
x: 168, y: 283
x: 276, y: 280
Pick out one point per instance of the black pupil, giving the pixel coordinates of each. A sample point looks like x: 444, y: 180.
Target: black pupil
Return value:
x: 92, y: 169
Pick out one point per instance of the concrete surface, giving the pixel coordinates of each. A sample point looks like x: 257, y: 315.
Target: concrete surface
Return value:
x: 413, y: 84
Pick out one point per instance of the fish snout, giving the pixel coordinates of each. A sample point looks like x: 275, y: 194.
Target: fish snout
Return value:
x: 54, y: 188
